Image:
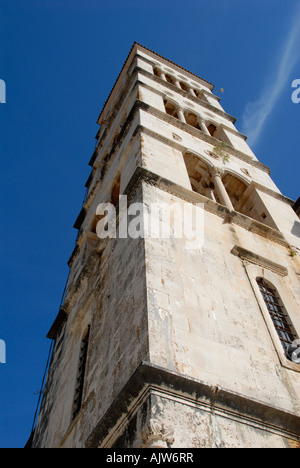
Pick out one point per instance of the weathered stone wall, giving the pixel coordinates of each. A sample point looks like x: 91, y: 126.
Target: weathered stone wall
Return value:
x: 204, y: 318
x: 164, y: 422
x: 194, y: 313
x: 167, y: 410
x: 52, y: 392
x: 111, y: 297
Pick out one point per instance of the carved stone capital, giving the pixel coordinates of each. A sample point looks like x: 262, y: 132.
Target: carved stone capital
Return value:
x: 216, y: 172
x: 157, y: 434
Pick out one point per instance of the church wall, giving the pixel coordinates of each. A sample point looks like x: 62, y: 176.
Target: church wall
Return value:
x: 203, y: 305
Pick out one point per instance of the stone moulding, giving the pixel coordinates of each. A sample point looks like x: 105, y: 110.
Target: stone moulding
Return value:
x: 200, y: 134
x: 140, y: 105
x: 263, y: 262
x: 143, y: 175
x: 184, y: 94
x: 209, y: 205
x: 150, y: 378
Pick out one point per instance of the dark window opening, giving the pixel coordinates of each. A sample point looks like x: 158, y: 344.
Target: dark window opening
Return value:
x: 115, y: 139
x: 277, y: 313
x: 170, y: 79
x: 192, y: 120
x: 212, y: 129
x: 184, y: 86
x: 198, y: 93
x: 81, y: 374
x: 198, y: 172
x: 115, y: 193
x: 170, y: 109
x: 235, y: 188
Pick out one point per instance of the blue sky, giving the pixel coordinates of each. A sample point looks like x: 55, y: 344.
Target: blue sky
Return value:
x: 59, y: 60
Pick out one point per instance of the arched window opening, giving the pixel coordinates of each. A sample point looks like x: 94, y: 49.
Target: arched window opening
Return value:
x: 198, y: 172
x: 212, y: 129
x: 235, y: 188
x: 198, y: 93
x: 184, y: 86
x: 246, y: 200
x: 192, y: 120
x: 278, y: 313
x: 170, y: 108
x: 170, y: 79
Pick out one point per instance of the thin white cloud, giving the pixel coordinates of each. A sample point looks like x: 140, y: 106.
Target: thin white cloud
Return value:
x: 256, y: 113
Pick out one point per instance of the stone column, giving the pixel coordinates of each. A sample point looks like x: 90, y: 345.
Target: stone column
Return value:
x: 192, y: 92
x: 181, y: 114
x: 209, y: 193
x: 221, y: 191
x: 204, y: 127
x: 177, y: 84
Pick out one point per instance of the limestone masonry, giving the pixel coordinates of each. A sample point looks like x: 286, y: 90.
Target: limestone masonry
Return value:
x: 158, y: 344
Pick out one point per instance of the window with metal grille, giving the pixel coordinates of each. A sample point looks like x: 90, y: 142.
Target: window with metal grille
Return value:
x: 80, y: 374
x: 278, y: 314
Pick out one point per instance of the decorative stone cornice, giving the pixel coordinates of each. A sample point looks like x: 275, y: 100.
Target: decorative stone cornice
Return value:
x: 149, y: 379
x: 209, y: 205
x: 142, y: 174
x: 200, y: 134
x: 256, y: 259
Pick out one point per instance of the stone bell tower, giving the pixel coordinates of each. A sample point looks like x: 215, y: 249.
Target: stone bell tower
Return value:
x: 158, y: 344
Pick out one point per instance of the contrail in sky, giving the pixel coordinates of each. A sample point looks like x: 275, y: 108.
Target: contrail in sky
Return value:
x: 256, y: 113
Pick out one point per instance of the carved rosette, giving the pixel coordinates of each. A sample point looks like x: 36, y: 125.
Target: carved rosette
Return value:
x: 157, y: 434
